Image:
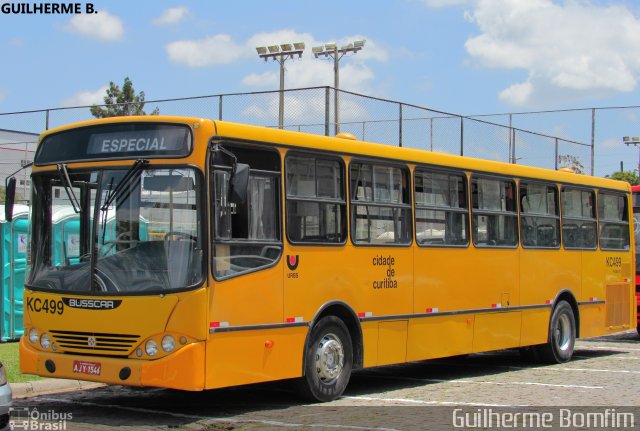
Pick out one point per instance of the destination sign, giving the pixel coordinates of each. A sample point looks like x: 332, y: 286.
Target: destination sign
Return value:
x: 115, y: 141
x: 143, y: 141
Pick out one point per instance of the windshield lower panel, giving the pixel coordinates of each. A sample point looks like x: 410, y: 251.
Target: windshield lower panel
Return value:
x: 133, y: 234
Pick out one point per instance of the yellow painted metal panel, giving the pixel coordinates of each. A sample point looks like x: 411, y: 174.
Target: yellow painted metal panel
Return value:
x: 437, y: 337
x: 494, y: 331
x: 238, y: 358
x: 392, y: 342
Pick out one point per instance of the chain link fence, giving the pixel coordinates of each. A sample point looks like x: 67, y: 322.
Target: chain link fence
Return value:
x: 510, y: 137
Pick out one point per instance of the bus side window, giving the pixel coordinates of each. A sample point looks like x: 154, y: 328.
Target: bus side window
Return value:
x: 578, y: 219
x: 380, y: 204
x: 613, y: 219
x: 316, y: 205
x: 495, y: 217
x: 442, y: 214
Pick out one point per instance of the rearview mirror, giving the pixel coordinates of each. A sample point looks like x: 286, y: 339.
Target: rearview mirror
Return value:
x: 10, y: 196
x: 239, y: 183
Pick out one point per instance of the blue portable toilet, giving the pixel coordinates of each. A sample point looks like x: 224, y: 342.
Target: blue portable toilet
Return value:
x: 13, y: 255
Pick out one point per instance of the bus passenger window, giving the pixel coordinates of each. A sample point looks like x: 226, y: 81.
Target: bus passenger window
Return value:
x: 539, y: 216
x: 614, y: 224
x: 578, y: 219
x: 380, y: 205
x: 316, y: 206
x: 495, y: 218
x: 441, y: 209
x: 246, y: 234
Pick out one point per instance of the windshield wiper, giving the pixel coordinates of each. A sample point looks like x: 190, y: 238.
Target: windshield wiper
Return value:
x: 68, y: 187
x: 124, y: 183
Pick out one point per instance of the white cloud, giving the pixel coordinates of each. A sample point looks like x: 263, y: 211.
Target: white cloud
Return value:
x: 86, y: 97
x: 574, y: 48
x: 213, y: 50
x: 102, y: 26
x: 611, y: 144
x: 517, y: 94
x: 172, y: 16
x: 445, y: 3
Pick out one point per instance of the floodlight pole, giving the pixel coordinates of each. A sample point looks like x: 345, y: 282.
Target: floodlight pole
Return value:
x: 281, y: 54
x: 332, y: 50
x: 635, y: 141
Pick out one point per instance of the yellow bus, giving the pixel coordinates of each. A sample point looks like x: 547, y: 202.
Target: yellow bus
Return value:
x: 209, y: 254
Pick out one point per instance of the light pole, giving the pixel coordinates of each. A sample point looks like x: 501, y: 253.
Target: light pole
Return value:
x: 635, y: 141
x: 332, y: 50
x: 281, y: 53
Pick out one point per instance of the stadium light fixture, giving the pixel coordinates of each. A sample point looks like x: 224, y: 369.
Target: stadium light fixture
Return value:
x: 331, y: 50
x: 281, y: 53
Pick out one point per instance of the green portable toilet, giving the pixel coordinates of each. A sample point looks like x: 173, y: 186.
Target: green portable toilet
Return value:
x: 13, y: 253
x: 66, y: 235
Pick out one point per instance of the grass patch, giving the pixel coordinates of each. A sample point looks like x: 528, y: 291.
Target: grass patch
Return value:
x: 10, y: 359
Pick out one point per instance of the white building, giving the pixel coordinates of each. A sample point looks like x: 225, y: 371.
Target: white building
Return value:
x: 16, y: 149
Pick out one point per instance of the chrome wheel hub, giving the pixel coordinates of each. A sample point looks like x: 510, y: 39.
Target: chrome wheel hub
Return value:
x: 562, y: 333
x: 329, y: 358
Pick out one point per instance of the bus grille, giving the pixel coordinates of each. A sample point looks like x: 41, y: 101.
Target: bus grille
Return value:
x: 94, y: 342
x: 618, y: 305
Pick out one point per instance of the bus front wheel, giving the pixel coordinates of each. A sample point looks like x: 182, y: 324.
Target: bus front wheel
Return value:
x: 562, y: 336
x: 328, y: 361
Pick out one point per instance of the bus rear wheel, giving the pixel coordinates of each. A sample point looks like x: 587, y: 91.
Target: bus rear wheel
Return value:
x: 562, y: 336
x: 328, y: 361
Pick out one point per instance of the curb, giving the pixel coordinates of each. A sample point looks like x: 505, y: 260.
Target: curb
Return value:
x: 50, y: 386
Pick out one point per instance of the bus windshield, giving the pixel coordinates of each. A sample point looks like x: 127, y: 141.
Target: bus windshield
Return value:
x: 118, y: 231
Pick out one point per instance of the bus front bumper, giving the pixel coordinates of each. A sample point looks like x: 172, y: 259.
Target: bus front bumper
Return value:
x: 183, y: 369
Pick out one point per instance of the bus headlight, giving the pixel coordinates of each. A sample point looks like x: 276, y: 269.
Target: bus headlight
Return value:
x: 151, y: 347
x: 33, y: 335
x: 45, y: 341
x: 168, y: 343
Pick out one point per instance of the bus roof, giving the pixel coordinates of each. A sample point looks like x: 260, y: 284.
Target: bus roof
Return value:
x: 363, y: 149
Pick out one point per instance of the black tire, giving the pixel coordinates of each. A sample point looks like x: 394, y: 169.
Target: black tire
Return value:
x: 328, y: 360
x: 4, y: 422
x: 562, y: 336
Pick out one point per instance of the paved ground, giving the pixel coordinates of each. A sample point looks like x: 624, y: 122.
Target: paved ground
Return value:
x: 604, y: 377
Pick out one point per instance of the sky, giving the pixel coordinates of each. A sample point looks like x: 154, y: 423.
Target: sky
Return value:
x: 460, y: 56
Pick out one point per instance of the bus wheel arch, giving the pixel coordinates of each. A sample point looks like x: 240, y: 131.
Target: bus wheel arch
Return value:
x: 563, y: 331
x: 566, y: 295
x: 345, y: 313
x: 329, y: 353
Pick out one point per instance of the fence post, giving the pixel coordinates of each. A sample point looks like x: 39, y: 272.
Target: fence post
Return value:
x: 512, y: 136
x: 46, y: 120
x: 400, y: 127
x: 220, y: 107
x: 431, y: 133
x: 363, y: 126
x: 462, y: 136
x: 327, y: 110
x: 593, y: 139
x: 512, y: 158
x: 556, y: 153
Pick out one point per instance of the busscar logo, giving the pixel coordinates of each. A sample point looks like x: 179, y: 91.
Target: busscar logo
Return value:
x: 292, y: 262
x: 92, y: 304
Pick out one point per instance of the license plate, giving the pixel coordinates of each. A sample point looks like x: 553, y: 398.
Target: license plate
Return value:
x: 83, y: 367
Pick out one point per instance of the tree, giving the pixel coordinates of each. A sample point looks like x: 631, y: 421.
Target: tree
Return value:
x: 121, y: 102
x: 571, y: 162
x: 629, y: 176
